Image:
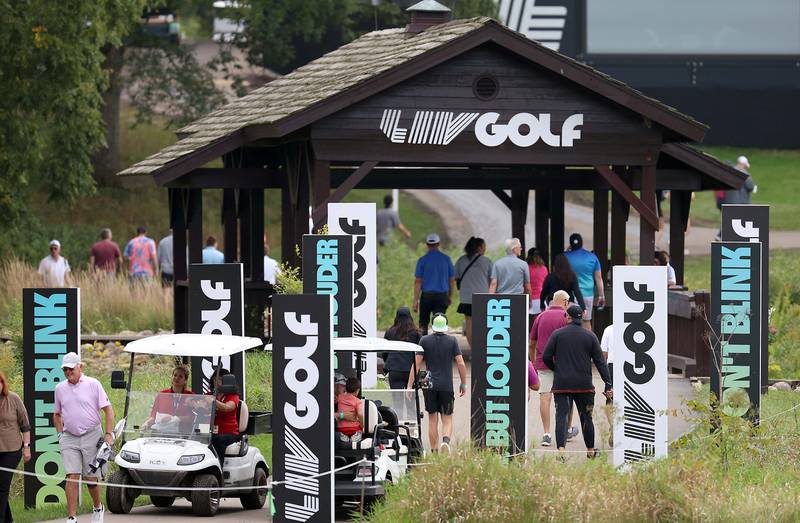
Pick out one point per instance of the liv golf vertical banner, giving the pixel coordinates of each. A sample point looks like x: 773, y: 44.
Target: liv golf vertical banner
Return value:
x: 302, y: 422
x: 500, y: 371
x: 735, y: 316
x: 640, y: 363
x: 358, y: 220
x: 50, y: 328
x: 750, y: 223
x: 216, y: 306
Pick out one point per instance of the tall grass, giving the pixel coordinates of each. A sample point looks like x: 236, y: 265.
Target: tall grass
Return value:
x: 108, y: 304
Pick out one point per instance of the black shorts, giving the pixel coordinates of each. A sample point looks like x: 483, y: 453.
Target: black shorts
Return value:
x: 440, y: 401
x: 167, y: 279
x: 465, y: 309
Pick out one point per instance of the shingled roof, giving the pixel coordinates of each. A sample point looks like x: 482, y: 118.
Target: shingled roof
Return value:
x: 277, y: 108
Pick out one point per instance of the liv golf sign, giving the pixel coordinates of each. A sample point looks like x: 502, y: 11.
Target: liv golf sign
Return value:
x: 640, y: 363
x: 442, y: 127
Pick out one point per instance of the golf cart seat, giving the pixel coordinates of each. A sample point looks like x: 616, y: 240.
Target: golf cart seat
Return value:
x: 238, y: 448
x: 390, y: 434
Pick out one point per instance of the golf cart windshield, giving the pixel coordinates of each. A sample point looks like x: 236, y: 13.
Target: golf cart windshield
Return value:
x: 168, y: 415
x: 401, y: 401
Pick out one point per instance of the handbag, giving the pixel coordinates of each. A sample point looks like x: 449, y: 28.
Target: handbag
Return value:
x: 458, y: 280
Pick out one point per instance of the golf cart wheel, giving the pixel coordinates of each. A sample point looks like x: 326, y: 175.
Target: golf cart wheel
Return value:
x: 162, y: 501
x: 256, y: 498
x: 205, y: 502
x: 119, y: 499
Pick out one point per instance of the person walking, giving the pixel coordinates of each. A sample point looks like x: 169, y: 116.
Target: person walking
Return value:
x: 435, y: 278
x: 745, y: 193
x: 545, y: 324
x: 570, y: 352
x: 15, y: 442
x: 76, y: 416
x: 142, y: 257
x: 54, y: 269
x: 538, y: 272
x: 562, y: 277
x: 165, y: 260
x: 105, y: 256
x: 473, y: 275
x: 387, y: 219
x: 397, y: 365
x: 589, y: 274
x: 439, y: 352
x: 210, y: 253
x: 510, y: 275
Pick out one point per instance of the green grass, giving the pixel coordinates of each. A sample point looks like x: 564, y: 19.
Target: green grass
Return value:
x: 776, y: 174
x: 739, y: 474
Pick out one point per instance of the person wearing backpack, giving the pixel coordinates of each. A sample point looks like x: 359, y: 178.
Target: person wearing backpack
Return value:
x: 473, y: 275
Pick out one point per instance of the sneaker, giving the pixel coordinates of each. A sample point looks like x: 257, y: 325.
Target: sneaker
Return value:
x: 97, y: 514
x: 594, y: 453
x: 546, y: 440
x: 445, y: 446
x: 72, y: 519
x: 572, y: 432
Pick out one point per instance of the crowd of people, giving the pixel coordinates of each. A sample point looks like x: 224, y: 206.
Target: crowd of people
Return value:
x: 142, y: 260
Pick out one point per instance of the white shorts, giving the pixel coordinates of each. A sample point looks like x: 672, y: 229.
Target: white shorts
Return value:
x: 589, y: 303
x: 545, y: 381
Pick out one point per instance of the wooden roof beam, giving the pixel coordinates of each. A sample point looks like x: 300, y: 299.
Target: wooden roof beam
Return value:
x: 619, y: 185
x: 321, y: 211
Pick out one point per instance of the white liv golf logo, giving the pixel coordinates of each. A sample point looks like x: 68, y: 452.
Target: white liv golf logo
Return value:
x: 442, y: 127
x: 301, y: 376
x: 215, y: 322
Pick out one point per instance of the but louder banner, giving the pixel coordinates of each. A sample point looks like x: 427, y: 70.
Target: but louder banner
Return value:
x: 736, y: 318
x: 750, y: 223
x: 358, y: 220
x: 51, y: 320
x: 500, y: 371
x: 302, y: 421
x: 640, y: 363
x: 216, y: 306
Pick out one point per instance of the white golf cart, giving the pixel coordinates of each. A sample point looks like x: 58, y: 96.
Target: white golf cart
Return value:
x: 391, y: 439
x: 166, y: 437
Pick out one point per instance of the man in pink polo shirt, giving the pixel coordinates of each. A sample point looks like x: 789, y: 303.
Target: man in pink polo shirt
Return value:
x: 544, y: 325
x: 76, y: 416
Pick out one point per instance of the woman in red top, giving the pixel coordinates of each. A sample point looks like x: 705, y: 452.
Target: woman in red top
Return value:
x: 168, y: 404
x: 538, y: 272
x: 227, y: 425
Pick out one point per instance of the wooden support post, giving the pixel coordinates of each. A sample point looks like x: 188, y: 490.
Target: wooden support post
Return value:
x: 257, y: 234
x: 542, y: 223
x: 619, y: 220
x: 556, y: 222
x: 230, y: 237
x: 600, y: 229
x: 680, y: 201
x: 320, y: 191
x: 287, y: 229
x: 196, y: 226
x: 647, y: 230
x: 180, y: 303
x: 320, y: 212
x: 519, y: 214
x: 245, y: 249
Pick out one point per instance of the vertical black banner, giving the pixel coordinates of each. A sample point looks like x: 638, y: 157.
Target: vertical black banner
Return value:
x: 50, y: 328
x: 750, y: 223
x: 302, y: 421
x: 736, y: 318
x: 500, y: 371
x: 216, y: 306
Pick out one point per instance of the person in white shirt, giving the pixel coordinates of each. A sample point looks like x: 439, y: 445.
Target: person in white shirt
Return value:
x: 662, y: 259
x: 54, y: 268
x: 271, y: 267
x: 607, y: 346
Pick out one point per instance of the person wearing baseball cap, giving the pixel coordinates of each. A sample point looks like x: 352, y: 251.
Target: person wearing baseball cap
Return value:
x: 439, y: 351
x: 435, y: 279
x: 54, y: 268
x: 570, y: 352
x: 745, y: 193
x: 587, y: 268
x: 76, y: 416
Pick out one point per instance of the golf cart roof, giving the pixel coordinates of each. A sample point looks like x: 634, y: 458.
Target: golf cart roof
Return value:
x: 369, y: 345
x: 199, y: 345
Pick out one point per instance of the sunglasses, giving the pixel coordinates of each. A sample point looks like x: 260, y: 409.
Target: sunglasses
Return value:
x: 67, y: 370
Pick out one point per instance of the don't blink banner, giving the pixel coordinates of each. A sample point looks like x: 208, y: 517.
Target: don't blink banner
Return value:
x: 50, y: 328
x: 216, y: 306
x: 499, y: 417
x: 736, y: 318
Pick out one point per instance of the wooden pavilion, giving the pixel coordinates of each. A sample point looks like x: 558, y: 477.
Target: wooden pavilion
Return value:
x: 462, y: 104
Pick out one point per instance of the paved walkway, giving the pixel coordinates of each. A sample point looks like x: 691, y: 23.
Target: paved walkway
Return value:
x: 468, y: 213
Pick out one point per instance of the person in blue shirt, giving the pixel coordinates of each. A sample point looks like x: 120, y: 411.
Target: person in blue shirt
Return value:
x: 587, y: 268
x: 435, y: 279
x: 211, y: 254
